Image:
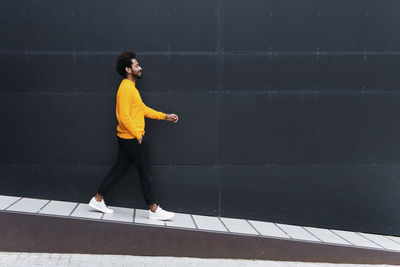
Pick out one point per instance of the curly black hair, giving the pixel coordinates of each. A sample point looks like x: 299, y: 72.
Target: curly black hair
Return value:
x: 124, y: 60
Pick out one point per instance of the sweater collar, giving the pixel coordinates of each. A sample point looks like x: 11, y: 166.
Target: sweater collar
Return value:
x: 129, y: 81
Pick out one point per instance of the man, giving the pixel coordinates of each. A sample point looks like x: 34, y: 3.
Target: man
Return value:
x: 133, y: 144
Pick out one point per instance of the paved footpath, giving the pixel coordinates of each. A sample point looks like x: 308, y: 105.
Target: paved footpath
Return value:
x: 18, y: 259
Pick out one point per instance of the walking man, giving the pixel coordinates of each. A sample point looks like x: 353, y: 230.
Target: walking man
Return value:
x: 133, y: 144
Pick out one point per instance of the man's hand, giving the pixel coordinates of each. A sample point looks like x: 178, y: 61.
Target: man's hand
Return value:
x: 172, y: 117
x: 140, y: 140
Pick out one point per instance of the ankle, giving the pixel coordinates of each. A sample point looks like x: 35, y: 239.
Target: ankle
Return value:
x: 153, y: 207
x: 98, y: 197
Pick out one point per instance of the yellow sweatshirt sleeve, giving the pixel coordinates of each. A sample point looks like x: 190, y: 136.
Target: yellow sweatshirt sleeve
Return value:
x: 152, y: 114
x: 126, y: 99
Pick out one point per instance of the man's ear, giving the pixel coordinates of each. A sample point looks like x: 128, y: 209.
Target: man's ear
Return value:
x: 128, y: 70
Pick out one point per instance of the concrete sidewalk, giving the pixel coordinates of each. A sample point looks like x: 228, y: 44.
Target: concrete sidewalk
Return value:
x: 18, y: 259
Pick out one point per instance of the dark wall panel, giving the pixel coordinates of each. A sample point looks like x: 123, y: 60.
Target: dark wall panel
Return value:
x: 193, y: 25
x: 13, y: 22
x: 358, y: 129
x: 103, y: 25
x: 310, y: 25
x: 91, y: 72
x: 80, y: 128
x: 52, y: 25
x: 381, y: 17
x: 68, y: 128
x: 186, y: 73
x: 276, y: 25
x: 310, y: 129
x: 194, y: 139
x: 63, y: 72
x: 245, y: 32
x: 381, y: 73
x: 340, y: 25
x: 311, y: 73
x: 340, y: 73
x: 244, y: 72
x: 294, y: 73
x: 293, y: 25
x: 267, y: 129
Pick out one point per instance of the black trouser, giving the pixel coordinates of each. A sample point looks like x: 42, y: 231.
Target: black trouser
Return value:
x: 131, y: 151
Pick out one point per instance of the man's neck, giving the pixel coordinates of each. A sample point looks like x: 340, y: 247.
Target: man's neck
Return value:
x: 131, y: 78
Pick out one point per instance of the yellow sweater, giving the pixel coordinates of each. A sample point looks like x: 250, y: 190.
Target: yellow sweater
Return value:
x: 131, y: 111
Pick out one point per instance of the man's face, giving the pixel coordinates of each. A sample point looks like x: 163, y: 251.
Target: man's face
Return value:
x: 136, y: 69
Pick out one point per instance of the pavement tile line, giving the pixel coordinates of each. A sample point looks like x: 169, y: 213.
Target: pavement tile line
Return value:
x: 280, y: 228
x: 72, y: 211
x: 326, y: 235
x: 341, y: 237
x: 388, y: 238
x: 28, y: 204
x: 370, y: 240
x: 224, y: 224
x: 383, y: 241
x: 135, y: 217
x: 13, y: 203
x: 391, y: 238
x: 255, y: 229
x: 305, y: 229
x: 43, y: 206
x: 345, y: 239
x: 195, y: 224
x: 357, y: 239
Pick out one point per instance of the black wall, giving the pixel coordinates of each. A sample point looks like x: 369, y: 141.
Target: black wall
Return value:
x: 288, y: 109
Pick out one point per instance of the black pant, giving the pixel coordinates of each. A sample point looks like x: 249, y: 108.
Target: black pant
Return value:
x: 131, y: 151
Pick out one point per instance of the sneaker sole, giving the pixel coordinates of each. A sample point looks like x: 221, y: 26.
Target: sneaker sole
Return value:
x: 157, y: 219
x: 94, y: 207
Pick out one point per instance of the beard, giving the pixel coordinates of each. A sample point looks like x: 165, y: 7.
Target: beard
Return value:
x: 137, y: 76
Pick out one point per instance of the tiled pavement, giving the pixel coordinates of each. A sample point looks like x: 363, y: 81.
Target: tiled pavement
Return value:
x: 203, y: 223
x: 18, y: 259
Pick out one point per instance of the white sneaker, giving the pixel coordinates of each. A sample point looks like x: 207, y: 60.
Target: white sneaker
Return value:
x: 161, y: 215
x: 99, y: 205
